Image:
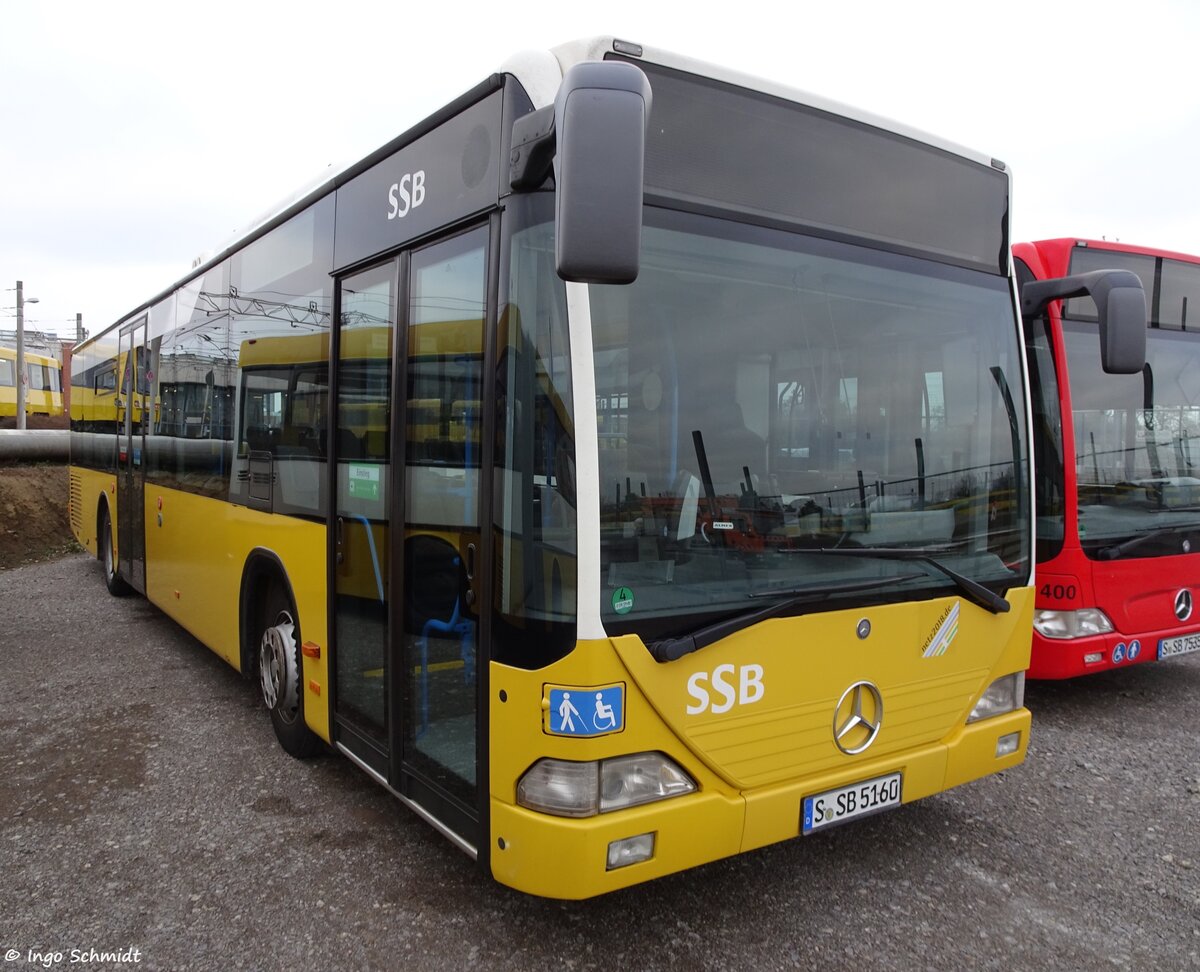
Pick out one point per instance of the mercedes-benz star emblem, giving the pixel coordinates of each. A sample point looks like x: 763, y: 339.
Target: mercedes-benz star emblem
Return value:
x: 857, y: 718
x: 1183, y: 604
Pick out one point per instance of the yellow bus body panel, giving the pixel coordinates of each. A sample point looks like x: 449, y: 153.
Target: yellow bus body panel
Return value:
x: 196, y: 550
x: 755, y: 762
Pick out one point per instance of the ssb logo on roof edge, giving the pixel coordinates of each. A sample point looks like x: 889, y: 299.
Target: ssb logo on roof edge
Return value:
x: 411, y: 192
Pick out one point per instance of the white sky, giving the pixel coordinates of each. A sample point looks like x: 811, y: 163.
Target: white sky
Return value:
x: 134, y: 136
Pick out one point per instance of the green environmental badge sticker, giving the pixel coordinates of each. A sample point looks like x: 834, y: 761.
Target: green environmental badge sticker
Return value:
x: 622, y: 600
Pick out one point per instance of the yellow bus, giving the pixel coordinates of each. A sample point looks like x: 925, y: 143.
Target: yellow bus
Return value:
x: 43, y: 384
x: 619, y: 496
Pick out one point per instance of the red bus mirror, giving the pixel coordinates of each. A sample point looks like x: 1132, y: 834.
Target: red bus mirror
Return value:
x: 1120, y: 304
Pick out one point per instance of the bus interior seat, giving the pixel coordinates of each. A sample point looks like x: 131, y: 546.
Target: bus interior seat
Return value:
x: 302, y: 440
x: 262, y: 438
x: 348, y: 445
x: 436, y: 581
x: 374, y: 444
x: 444, y: 451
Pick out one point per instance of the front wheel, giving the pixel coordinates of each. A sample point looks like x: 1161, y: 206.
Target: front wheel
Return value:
x: 279, y: 673
x: 112, y: 580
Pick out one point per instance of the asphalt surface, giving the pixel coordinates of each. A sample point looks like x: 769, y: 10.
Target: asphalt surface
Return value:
x: 147, y: 812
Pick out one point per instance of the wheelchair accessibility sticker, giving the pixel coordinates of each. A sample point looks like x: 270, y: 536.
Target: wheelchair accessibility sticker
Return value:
x: 578, y: 710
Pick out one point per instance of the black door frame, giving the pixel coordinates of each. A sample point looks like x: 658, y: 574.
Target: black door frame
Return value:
x: 131, y: 444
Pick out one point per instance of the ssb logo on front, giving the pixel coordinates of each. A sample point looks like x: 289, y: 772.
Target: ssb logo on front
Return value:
x: 407, y: 194
x: 744, y: 689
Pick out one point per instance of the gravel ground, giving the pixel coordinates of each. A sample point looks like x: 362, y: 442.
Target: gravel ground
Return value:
x: 147, y: 811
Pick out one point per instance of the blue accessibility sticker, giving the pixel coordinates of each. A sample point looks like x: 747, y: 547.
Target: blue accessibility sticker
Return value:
x: 584, y: 711
x: 1135, y: 649
x: 1118, y: 655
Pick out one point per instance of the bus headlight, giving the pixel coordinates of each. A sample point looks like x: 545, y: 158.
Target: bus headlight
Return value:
x: 1003, y: 695
x: 643, y: 778
x: 1071, y: 624
x: 570, y: 789
x: 561, y: 787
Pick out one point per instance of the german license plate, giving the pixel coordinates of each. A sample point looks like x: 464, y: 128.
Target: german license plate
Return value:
x: 1170, y: 647
x: 847, y: 802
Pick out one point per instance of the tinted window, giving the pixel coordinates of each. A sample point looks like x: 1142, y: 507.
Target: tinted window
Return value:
x: 1177, y: 303
x: 279, y: 306
x: 712, y: 142
x: 808, y: 396
x: 535, y: 519
x: 1137, y: 456
x: 191, y: 375
x: 1172, y: 286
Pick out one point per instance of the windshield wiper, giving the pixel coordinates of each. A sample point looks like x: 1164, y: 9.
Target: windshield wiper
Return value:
x: 671, y: 648
x: 971, y: 590
x: 1120, y: 549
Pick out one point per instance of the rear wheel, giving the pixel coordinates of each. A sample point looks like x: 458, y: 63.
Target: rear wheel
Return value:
x: 279, y: 672
x: 112, y: 580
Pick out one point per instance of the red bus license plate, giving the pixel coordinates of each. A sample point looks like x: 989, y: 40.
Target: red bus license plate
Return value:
x: 1170, y: 647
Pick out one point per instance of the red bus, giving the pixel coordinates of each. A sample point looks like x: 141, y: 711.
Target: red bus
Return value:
x: 1118, y: 467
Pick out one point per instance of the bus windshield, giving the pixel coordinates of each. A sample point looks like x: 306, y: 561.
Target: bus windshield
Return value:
x: 1137, y: 443
x: 764, y: 398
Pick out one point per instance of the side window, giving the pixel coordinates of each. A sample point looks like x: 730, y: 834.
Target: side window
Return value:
x: 262, y: 411
x: 445, y: 366
x: 534, y: 515
x: 1178, y: 298
x: 106, y: 379
x: 280, y: 306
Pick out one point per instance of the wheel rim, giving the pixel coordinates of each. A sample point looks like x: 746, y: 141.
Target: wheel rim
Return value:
x: 277, y: 666
x: 109, y: 569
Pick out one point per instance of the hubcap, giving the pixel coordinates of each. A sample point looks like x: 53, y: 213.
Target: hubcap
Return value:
x: 277, y: 665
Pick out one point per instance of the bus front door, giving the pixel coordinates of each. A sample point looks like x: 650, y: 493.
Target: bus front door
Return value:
x: 405, y: 534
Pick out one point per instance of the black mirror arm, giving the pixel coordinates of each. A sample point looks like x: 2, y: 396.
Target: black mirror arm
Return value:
x: 1037, y: 294
x: 533, y: 147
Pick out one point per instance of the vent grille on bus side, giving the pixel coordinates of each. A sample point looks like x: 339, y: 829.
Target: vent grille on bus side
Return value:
x: 75, y: 500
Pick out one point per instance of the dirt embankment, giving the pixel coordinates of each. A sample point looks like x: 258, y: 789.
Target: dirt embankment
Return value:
x: 33, y: 514
x: 36, y: 422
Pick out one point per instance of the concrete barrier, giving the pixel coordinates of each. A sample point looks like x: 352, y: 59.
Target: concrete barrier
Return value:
x: 35, y: 445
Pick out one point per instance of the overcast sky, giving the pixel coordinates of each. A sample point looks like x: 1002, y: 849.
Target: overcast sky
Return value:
x: 135, y: 136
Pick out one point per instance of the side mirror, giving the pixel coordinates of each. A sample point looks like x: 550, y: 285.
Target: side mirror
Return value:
x: 600, y: 118
x: 1120, y: 303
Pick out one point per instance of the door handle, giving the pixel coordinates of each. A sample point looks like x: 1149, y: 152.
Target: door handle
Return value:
x: 470, y: 567
x: 338, y: 535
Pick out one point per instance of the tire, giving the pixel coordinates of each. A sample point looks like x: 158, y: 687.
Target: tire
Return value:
x: 104, y: 553
x: 277, y: 640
